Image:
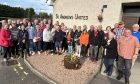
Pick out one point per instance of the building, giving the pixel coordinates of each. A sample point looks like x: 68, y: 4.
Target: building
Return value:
x: 94, y: 12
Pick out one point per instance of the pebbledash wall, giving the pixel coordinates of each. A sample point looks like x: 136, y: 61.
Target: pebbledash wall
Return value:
x: 80, y: 12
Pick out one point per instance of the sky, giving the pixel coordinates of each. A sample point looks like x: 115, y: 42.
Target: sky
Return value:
x: 38, y: 5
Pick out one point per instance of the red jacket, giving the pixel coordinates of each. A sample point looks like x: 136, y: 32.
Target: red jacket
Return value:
x: 5, y: 38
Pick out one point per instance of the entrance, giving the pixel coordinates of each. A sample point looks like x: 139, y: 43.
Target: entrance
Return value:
x: 131, y: 14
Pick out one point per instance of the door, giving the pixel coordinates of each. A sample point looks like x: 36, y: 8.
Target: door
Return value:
x: 129, y: 21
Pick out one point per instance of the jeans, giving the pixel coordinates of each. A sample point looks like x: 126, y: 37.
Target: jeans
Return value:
x: 108, y: 65
x: 83, y: 50
x: 78, y: 50
x: 70, y: 49
x: 1, y: 50
x: 24, y: 47
x: 37, y: 46
x: 6, y: 52
x: 31, y: 45
x: 93, y: 51
x: 58, y: 44
x: 124, y: 67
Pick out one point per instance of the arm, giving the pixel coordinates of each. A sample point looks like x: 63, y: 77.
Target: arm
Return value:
x: 87, y: 40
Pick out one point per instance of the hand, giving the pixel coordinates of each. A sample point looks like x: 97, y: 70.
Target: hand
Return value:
x: 23, y: 41
x: 133, y: 61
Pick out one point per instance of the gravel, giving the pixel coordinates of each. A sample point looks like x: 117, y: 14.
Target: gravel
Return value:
x: 53, y: 67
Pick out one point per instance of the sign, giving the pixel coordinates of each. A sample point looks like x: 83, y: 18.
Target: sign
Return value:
x: 71, y: 17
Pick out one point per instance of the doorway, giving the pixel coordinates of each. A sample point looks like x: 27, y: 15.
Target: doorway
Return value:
x: 131, y: 14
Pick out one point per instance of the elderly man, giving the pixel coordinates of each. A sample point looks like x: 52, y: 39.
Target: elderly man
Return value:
x: 128, y: 47
x: 135, y: 32
x: 119, y: 31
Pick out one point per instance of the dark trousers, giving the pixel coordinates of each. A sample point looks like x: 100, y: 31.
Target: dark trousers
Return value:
x: 108, y: 65
x: 83, y: 50
x: 38, y: 46
x: 6, y: 52
x: 124, y: 67
x: 24, y: 47
x: 15, y: 47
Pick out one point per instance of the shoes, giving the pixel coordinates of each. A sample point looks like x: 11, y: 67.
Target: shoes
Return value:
x: 95, y: 61
x: 126, y: 81
x: 4, y: 59
x: 11, y: 58
x: 39, y: 52
x: 33, y: 53
x: 105, y: 71
x: 119, y: 77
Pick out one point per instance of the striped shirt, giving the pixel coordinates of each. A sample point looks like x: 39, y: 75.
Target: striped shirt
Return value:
x: 118, y: 32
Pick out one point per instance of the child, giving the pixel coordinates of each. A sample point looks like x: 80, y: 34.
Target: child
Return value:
x: 69, y: 41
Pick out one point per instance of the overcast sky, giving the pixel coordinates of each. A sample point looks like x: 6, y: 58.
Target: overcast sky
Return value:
x: 38, y: 5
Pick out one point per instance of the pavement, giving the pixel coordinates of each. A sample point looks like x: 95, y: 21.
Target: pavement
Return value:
x: 101, y: 78
x: 16, y: 72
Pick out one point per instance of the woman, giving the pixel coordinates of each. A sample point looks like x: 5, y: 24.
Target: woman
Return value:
x: 23, y: 41
x: 48, y: 34
x: 37, y: 37
x: 78, y: 47
x: 31, y: 30
x: 6, y: 42
x: 110, y: 53
x: 84, y: 40
x: 94, y: 40
x: 108, y: 30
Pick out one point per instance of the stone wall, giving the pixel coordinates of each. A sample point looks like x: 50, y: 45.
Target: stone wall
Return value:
x: 90, y: 8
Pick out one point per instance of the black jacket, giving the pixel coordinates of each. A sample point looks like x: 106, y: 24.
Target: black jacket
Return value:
x: 58, y: 36
x: 23, y: 35
x: 101, y: 37
x: 94, y: 40
x: 111, y: 49
x: 78, y: 34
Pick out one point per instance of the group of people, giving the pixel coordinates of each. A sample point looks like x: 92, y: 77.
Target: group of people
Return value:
x: 23, y: 37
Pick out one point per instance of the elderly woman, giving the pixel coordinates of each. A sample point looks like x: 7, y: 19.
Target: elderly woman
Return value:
x: 6, y: 41
x: 135, y: 32
x: 110, y: 53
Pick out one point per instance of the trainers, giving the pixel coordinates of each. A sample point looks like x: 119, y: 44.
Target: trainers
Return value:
x: 4, y: 59
x: 33, y: 53
x: 11, y: 58
x: 39, y: 52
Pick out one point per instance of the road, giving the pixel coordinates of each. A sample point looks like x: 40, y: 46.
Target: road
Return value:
x: 16, y: 72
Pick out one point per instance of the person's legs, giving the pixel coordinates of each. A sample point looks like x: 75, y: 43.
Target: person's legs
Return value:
x: 106, y: 65
x: 110, y: 66
x: 60, y: 47
x: 9, y: 52
x: 91, y: 49
x: 84, y: 51
x: 95, y: 53
x: 13, y: 49
x: 5, y: 49
x: 127, y: 72
x: 57, y: 47
x: 120, y: 67
x: 17, y: 47
x: 79, y: 50
x: 27, y: 52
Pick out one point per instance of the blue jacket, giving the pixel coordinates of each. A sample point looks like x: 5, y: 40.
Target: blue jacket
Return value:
x: 136, y: 34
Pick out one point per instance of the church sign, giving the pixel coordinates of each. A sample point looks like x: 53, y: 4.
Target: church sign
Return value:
x: 71, y: 17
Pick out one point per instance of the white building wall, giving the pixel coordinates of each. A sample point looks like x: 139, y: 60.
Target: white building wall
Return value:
x: 90, y: 8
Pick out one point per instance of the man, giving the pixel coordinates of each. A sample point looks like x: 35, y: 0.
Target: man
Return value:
x: 135, y: 32
x: 14, y: 35
x: 58, y: 38
x: 128, y: 47
x: 101, y: 38
x: 119, y: 31
x: 10, y: 23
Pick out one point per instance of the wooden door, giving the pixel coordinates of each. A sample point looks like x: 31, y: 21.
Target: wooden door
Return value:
x: 129, y: 21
